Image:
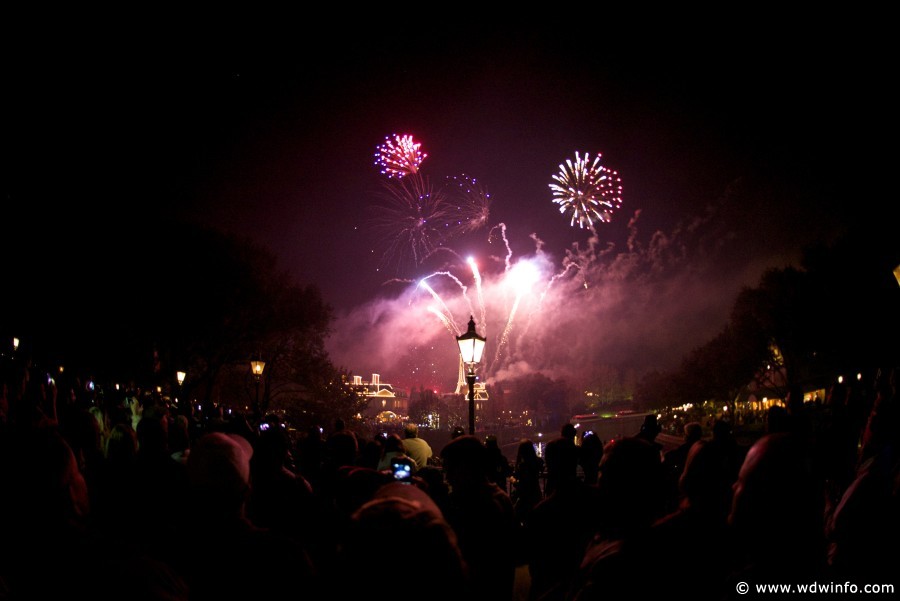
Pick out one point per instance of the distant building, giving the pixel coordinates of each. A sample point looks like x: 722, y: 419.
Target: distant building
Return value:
x: 382, y: 399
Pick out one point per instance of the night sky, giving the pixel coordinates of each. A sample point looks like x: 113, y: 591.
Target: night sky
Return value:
x: 735, y: 150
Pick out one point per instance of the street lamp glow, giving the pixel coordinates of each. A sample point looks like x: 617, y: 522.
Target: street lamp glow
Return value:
x: 471, y: 348
x: 471, y: 345
x: 180, y: 375
x: 15, y: 343
x: 257, y: 367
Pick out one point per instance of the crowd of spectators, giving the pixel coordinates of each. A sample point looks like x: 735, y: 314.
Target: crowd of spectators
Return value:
x: 138, y: 501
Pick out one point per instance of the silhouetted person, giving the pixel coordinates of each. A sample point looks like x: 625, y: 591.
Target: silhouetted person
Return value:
x: 483, y: 518
x: 649, y: 431
x: 430, y: 564
x: 694, y: 534
x: 393, y: 447
x: 589, y: 455
x: 281, y: 499
x: 228, y: 556
x: 731, y: 454
x: 526, y: 491
x: 559, y: 527
x: 568, y: 432
x: 370, y: 453
x: 499, y: 469
x: 864, y: 528
x: 311, y: 456
x: 630, y: 501
x: 777, y: 515
x: 116, y: 487
x: 777, y: 420
x: 675, y: 460
x: 798, y: 419
x: 435, y: 485
x: 160, y: 485
x: 50, y: 550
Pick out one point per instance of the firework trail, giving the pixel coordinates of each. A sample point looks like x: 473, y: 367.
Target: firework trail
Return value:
x: 444, y: 320
x: 587, y: 191
x: 502, y: 228
x: 521, y: 278
x: 480, y: 291
x: 438, y: 298
x: 399, y: 156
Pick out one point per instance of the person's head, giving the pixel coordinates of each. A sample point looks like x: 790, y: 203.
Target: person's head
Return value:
x: 794, y: 399
x: 47, y: 488
x: 219, y: 472
x: 343, y: 447
x: 693, y: 432
x: 122, y: 444
x: 561, y: 460
x: 272, y: 448
x: 590, y: 440
x: 433, y: 476
x: 568, y: 431
x: 153, y: 434
x: 776, y: 497
x: 777, y: 420
x: 393, y: 444
x: 705, y: 482
x: 404, y: 514
x: 410, y: 430
x: 526, y: 451
x: 465, y: 462
x: 630, y: 484
x: 650, y: 428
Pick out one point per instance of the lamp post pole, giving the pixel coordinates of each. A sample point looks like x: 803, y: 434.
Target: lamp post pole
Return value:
x: 471, y: 347
x: 256, y: 368
x: 182, y: 406
x: 470, y: 380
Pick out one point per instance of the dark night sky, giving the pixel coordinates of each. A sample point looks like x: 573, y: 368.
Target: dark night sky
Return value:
x: 735, y: 149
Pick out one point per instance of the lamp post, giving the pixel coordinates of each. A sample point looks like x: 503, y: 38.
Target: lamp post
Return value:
x: 256, y: 368
x: 471, y: 347
x: 180, y: 376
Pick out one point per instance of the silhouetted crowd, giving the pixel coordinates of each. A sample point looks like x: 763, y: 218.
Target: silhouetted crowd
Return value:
x: 137, y: 501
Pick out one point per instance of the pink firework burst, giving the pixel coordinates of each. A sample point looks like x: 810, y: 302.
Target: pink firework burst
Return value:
x: 587, y: 191
x: 399, y: 156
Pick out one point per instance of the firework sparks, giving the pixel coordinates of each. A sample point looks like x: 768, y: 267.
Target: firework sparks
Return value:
x: 479, y: 289
x: 521, y: 278
x: 412, y: 223
x: 399, y: 156
x: 587, y: 191
x: 473, y: 203
x: 424, y: 284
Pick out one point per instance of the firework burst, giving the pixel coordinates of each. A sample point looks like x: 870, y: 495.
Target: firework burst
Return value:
x: 587, y: 191
x: 473, y: 203
x: 413, y: 222
x: 399, y: 156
